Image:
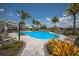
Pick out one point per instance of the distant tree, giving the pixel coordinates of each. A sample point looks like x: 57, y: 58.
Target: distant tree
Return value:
x: 36, y: 23
x: 43, y: 27
x: 33, y: 26
x: 54, y: 20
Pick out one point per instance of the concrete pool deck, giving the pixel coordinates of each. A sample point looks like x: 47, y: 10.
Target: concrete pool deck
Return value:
x: 34, y: 47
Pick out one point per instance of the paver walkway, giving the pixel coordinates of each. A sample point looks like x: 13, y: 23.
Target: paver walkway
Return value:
x: 34, y: 47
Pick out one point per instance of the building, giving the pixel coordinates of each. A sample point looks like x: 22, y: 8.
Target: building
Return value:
x: 7, y: 25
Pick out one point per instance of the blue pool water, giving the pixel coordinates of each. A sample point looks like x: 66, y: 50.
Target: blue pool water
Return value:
x: 40, y: 35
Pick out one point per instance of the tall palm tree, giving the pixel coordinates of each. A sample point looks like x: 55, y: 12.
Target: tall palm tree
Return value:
x: 54, y: 20
x: 23, y: 16
x: 22, y: 25
x: 36, y: 23
x: 33, y: 24
x: 33, y: 27
x: 33, y: 21
x: 72, y: 10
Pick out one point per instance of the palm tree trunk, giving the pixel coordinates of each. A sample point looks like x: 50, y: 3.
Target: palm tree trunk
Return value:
x: 19, y: 32
x: 38, y: 27
x: 74, y: 23
x: 55, y: 27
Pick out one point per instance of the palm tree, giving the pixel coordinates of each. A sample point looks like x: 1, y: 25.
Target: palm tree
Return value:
x: 43, y: 27
x: 22, y: 25
x: 23, y: 16
x: 36, y: 23
x: 33, y: 27
x: 72, y: 10
x: 33, y: 24
x: 33, y: 21
x: 54, y: 20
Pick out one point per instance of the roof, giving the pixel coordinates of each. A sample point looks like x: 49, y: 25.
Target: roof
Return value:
x: 9, y: 22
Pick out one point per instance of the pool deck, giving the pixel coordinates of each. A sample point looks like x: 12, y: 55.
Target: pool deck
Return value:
x: 34, y: 47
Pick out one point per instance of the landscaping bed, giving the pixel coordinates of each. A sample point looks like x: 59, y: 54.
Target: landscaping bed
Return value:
x: 11, y: 49
x: 61, y: 48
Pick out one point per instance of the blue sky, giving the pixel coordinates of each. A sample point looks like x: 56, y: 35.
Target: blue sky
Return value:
x: 42, y: 12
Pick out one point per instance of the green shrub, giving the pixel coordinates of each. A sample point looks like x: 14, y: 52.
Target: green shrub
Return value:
x: 7, y: 46
x: 14, y: 46
x: 68, y: 32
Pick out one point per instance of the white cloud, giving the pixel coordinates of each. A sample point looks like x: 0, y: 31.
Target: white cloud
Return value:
x: 29, y: 26
x: 65, y: 21
x: 17, y: 14
x: 61, y: 19
x: 64, y: 14
x: 48, y: 19
x: 39, y: 20
x: 10, y: 14
x: 1, y: 10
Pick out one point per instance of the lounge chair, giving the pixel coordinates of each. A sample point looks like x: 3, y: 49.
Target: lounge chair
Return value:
x: 2, y: 41
x: 7, y: 40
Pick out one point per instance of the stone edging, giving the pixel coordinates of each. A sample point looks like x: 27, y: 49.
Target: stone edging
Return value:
x: 19, y: 53
x: 45, y: 50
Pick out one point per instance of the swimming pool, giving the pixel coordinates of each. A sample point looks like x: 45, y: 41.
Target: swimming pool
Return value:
x: 40, y: 35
